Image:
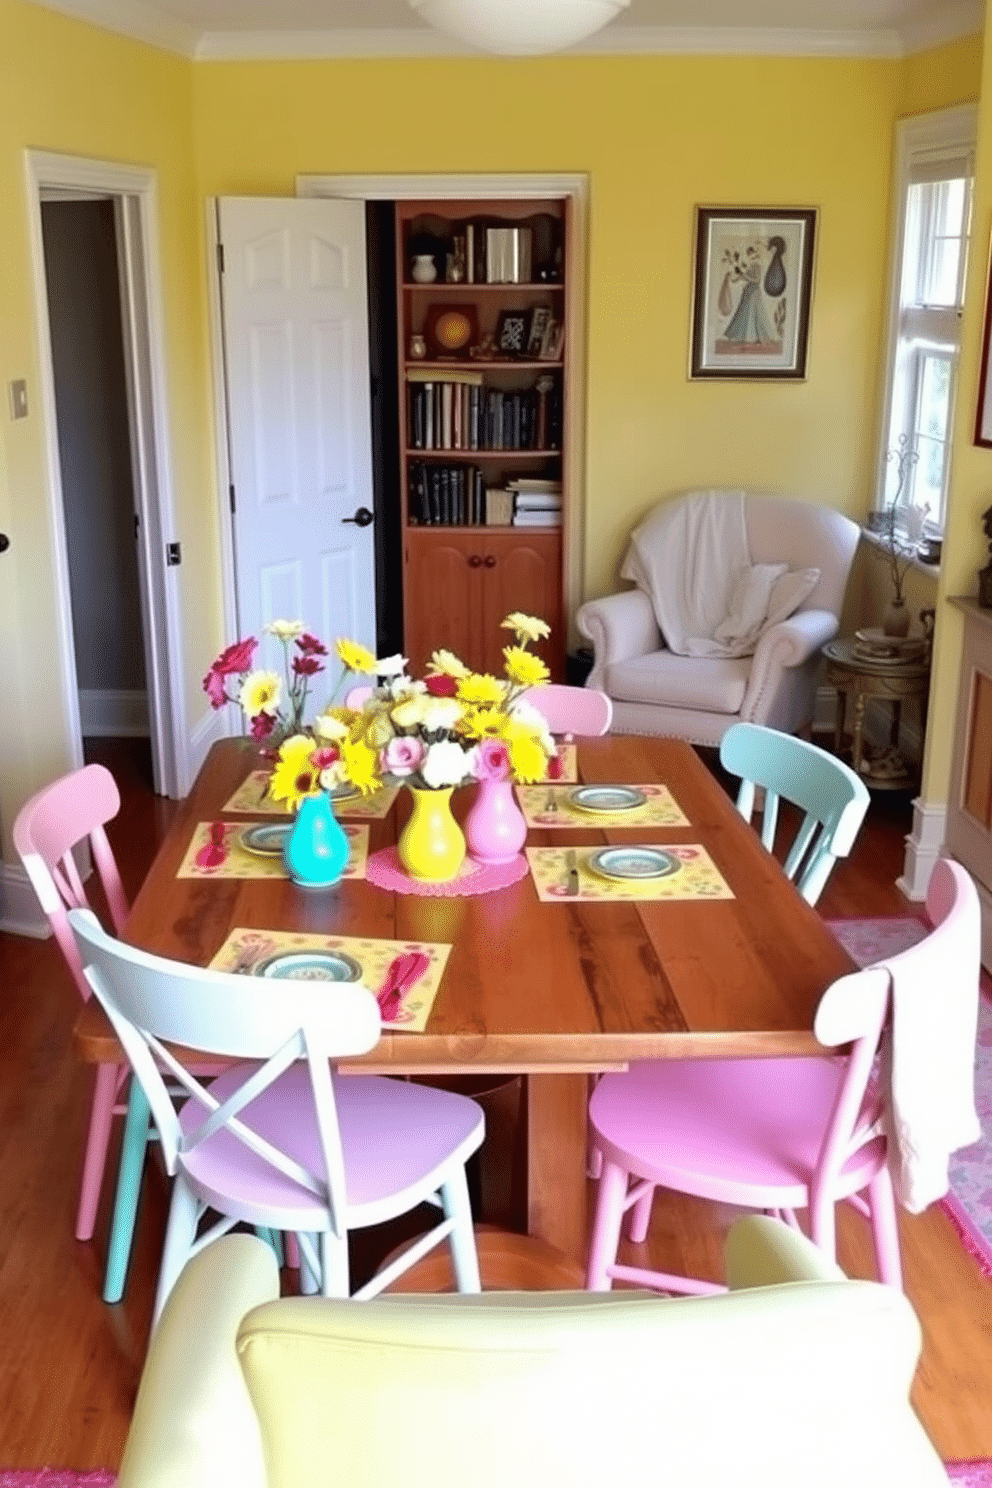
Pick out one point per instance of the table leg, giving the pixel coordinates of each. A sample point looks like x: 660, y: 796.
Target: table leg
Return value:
x: 556, y: 1161
x: 894, y: 726
x: 840, y: 708
x: 859, y: 723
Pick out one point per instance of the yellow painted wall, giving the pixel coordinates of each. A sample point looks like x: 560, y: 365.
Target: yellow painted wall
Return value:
x: 655, y: 135
x: 942, y: 76
x: 70, y: 88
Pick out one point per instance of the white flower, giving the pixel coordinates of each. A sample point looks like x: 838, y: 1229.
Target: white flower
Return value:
x: 523, y: 712
x: 440, y: 713
x: 409, y: 712
x: 391, y: 666
x: 446, y: 764
x: 326, y: 726
x: 401, y: 687
x: 285, y: 630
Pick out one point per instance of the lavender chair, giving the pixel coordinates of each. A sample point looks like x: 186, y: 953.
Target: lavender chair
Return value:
x: 778, y: 1135
x: 572, y: 712
x: 277, y: 1140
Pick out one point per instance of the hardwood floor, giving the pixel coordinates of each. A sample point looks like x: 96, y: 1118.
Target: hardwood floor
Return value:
x: 71, y: 1365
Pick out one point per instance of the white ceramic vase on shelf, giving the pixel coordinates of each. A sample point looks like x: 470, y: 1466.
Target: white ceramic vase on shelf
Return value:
x: 424, y: 270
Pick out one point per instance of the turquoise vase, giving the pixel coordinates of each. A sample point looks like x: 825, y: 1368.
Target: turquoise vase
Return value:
x: 316, y: 850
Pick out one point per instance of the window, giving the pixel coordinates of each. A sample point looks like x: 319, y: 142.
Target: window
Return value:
x: 934, y: 169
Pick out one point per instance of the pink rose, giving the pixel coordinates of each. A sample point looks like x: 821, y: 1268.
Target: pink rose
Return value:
x: 402, y: 756
x: 492, y: 760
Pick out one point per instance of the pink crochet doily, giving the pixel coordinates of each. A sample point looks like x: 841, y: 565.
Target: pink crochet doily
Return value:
x: 385, y: 870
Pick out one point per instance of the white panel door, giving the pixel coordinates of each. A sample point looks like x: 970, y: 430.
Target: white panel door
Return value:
x: 297, y: 372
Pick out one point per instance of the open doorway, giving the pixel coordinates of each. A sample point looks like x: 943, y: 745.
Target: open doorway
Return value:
x: 111, y: 521
x: 95, y: 461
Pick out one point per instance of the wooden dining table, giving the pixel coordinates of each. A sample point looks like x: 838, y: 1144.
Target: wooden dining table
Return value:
x: 552, y: 991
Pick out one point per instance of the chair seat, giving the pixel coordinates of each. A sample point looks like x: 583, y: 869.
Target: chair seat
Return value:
x: 717, y: 686
x: 738, y: 1131
x: 395, y: 1136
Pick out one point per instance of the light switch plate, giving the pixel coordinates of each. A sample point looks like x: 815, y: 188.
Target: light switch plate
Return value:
x: 19, y: 398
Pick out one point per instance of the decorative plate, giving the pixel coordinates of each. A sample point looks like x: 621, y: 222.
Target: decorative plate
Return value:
x: 311, y: 966
x: 451, y: 329
x: 265, y: 839
x: 607, y: 798
x: 625, y: 863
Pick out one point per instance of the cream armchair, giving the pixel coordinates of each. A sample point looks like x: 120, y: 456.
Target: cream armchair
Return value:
x: 655, y: 691
x: 795, y: 1376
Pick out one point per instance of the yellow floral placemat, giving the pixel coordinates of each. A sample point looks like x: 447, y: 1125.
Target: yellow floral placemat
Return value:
x: 252, y: 795
x: 549, y: 806
x: 697, y: 876
x: 216, y: 851
x: 248, y: 951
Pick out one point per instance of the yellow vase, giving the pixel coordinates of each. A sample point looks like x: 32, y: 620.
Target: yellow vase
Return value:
x: 431, y: 845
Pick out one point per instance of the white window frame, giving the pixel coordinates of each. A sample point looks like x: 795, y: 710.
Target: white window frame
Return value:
x: 916, y: 138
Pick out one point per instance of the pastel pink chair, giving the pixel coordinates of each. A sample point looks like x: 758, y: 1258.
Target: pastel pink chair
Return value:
x: 778, y: 1135
x: 573, y: 712
x: 357, y: 696
x: 49, y: 827
x: 277, y: 1140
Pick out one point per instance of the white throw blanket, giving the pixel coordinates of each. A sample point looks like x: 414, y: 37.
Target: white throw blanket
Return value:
x: 930, y: 1062
x: 692, y: 558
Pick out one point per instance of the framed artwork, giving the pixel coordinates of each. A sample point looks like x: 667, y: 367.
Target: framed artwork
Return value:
x: 539, y: 318
x: 553, y: 342
x: 451, y: 330
x: 983, y: 415
x: 511, y: 332
x: 752, y: 287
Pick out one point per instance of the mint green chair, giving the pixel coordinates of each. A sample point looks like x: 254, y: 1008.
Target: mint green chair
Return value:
x: 832, y: 797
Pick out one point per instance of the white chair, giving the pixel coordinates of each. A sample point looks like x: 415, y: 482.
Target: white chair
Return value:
x: 655, y: 691
x: 283, y: 1144
x: 833, y: 798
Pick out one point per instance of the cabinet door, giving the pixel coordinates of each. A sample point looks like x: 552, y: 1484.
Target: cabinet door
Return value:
x: 522, y: 573
x: 443, y: 598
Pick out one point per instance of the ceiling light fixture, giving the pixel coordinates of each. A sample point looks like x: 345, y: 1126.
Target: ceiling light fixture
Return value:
x: 519, y: 27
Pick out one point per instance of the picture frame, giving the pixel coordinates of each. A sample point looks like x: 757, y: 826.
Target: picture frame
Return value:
x: 983, y: 412
x: 451, y: 331
x: 539, y: 318
x: 553, y: 343
x: 512, y: 330
x: 752, y: 291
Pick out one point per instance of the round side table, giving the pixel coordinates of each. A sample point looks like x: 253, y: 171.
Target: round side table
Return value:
x: 892, y: 682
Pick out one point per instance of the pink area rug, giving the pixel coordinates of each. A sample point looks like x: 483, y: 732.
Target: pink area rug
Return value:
x: 977, y: 1474
x: 969, y: 1203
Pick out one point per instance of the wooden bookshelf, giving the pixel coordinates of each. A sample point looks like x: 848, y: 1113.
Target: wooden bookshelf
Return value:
x: 483, y: 424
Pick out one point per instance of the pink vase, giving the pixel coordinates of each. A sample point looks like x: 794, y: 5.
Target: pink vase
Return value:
x: 495, y: 827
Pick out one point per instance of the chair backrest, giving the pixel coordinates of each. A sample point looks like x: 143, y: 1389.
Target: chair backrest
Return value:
x: 153, y: 1002
x: 804, y: 534
x: 856, y: 1008
x: 828, y: 791
x: 357, y: 696
x: 573, y: 711
x: 48, y: 827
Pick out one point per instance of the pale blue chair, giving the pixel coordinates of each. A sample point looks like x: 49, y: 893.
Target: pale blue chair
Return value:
x: 828, y: 791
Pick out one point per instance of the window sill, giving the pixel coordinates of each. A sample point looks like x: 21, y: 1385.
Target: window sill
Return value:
x: 876, y: 540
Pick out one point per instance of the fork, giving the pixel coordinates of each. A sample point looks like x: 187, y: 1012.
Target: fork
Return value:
x: 551, y: 804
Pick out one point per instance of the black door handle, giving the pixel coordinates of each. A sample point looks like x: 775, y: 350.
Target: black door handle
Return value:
x: 4, y: 542
x: 362, y: 518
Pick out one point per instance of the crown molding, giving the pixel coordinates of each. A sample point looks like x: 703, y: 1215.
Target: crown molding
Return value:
x: 143, y: 21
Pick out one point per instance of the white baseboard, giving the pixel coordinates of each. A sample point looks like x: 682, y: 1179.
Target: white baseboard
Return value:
x: 924, y: 846
x: 20, y: 912
x: 106, y: 714
x: 213, y: 726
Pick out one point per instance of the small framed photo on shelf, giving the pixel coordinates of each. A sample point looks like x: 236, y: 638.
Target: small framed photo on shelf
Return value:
x: 552, y: 342
x: 752, y: 286
x: 511, y: 332
x: 540, y: 318
x: 450, y: 331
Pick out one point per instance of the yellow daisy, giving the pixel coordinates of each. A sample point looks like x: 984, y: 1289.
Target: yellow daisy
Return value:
x: 295, y: 776
x: 481, y: 690
x: 526, y: 627
x: 446, y: 664
x: 260, y: 693
x: 527, y: 756
x: 355, y: 657
x: 483, y: 723
x: 523, y: 668
x: 361, y: 765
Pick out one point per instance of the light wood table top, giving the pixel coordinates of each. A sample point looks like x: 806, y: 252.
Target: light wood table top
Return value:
x: 551, y: 990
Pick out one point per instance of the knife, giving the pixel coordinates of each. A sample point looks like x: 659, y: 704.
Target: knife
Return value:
x: 571, y: 863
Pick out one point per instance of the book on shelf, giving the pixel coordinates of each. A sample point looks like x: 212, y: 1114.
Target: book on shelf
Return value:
x: 537, y: 501
x: 508, y: 255
x: 535, y: 483
x: 445, y: 495
x: 443, y: 374
x: 537, y: 519
x: 499, y: 507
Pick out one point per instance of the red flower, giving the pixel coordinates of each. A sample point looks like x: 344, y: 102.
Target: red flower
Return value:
x: 441, y: 685
x: 328, y: 754
x: 310, y: 646
x: 236, y: 658
x: 262, y: 725
x: 306, y: 666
